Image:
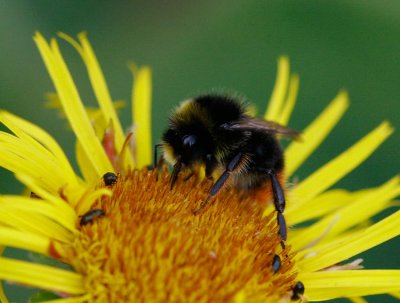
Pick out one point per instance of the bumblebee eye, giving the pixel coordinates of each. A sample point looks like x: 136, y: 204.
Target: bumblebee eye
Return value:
x: 189, y: 140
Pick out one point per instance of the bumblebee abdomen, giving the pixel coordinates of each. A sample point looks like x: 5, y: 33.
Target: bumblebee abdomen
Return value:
x: 249, y: 180
x: 266, y: 152
x: 262, y: 152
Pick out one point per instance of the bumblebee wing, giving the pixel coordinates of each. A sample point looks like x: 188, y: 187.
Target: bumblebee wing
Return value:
x: 270, y: 127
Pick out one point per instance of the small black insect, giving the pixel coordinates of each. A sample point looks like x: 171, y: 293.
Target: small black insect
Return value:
x: 276, y: 263
x: 92, y: 214
x: 298, y: 291
x: 216, y: 131
x: 110, y: 178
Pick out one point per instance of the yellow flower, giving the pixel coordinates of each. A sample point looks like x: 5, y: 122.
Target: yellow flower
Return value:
x: 146, y: 245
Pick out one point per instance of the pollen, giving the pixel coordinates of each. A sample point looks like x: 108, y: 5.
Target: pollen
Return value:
x: 150, y: 247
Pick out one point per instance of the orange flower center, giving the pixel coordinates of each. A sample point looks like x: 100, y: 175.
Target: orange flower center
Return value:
x: 149, y: 247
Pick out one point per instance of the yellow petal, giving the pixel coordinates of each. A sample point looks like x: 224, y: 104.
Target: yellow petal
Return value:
x: 319, y: 243
x: 328, y: 255
x: 325, y: 203
x: 290, y: 102
x: 80, y: 299
x: 358, y: 300
x: 90, y: 198
x: 298, y: 151
x: 55, y: 200
x: 334, y: 170
x: 327, y: 285
x: 41, y: 140
x: 85, y: 166
x: 350, y: 215
x: 3, y: 298
x: 41, y: 276
x: 72, y: 104
x: 99, y: 85
x: 19, y: 156
x: 37, y: 215
x: 277, y: 99
x: 141, y: 100
x: 25, y: 240
x: 31, y: 222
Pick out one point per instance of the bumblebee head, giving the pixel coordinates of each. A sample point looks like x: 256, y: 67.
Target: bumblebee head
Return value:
x: 187, y: 148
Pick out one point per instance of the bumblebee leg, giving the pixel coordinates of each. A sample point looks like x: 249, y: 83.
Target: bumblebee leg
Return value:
x: 232, y: 165
x: 279, y: 202
x: 282, y: 227
x: 175, y: 172
x: 279, y: 195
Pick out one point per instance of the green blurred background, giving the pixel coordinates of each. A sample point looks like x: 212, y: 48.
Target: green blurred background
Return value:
x: 195, y: 46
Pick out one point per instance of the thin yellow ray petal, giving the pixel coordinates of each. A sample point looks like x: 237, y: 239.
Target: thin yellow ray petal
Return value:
x: 85, y: 166
x: 31, y: 132
x: 22, y: 159
x: 34, y: 223
x: 55, y: 200
x: 298, y: 151
x: 334, y: 170
x: 278, y: 95
x: 76, y: 113
x: 355, y: 213
x: 27, y: 205
x: 358, y: 300
x: 39, y: 179
x: 290, y: 100
x: 141, y: 100
x: 351, y: 214
x: 41, y: 276
x: 14, y: 164
x: 3, y: 298
x: 102, y: 93
x: 329, y: 255
x: 326, y: 285
x: 99, y: 85
x: 89, y: 199
x: 325, y: 203
x: 322, y: 245
x: 80, y: 299
x: 395, y: 203
x: 24, y: 240
x: 72, y: 104
x: 100, y: 123
x: 395, y: 294
x: 18, y: 156
x: 24, y: 137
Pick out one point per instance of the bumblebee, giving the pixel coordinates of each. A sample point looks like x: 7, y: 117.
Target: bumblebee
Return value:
x: 216, y: 131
